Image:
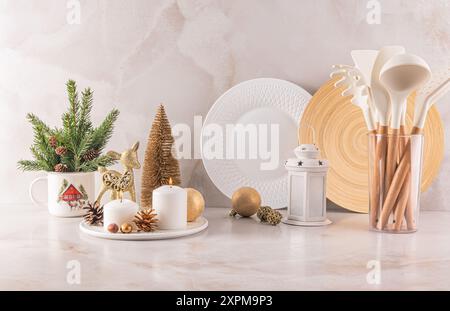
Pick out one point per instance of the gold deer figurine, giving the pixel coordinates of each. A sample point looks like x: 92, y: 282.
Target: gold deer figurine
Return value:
x: 119, y: 183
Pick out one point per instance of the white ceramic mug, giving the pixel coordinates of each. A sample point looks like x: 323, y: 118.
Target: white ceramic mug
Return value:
x: 67, y: 193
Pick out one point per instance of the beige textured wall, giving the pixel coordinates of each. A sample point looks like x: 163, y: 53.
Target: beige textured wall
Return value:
x: 138, y: 53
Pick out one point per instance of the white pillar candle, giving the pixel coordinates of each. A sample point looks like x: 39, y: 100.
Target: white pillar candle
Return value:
x: 119, y: 212
x: 170, y: 204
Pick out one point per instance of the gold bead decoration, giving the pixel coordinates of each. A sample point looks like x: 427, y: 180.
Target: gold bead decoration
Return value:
x: 246, y: 201
x: 126, y: 228
x: 195, y: 204
x: 113, y: 228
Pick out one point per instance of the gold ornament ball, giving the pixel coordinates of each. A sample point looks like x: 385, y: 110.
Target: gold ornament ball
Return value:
x: 246, y: 201
x: 195, y: 204
x: 126, y: 228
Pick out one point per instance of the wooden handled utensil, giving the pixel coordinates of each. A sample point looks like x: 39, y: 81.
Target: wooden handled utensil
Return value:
x: 401, y: 75
x: 356, y: 86
x: 431, y: 92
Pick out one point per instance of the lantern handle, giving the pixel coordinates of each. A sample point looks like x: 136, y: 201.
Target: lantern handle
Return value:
x: 306, y: 126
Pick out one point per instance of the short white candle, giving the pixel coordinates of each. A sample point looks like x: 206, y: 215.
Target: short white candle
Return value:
x: 119, y: 212
x: 170, y: 204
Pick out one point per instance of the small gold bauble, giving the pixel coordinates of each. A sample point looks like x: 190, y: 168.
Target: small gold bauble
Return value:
x: 113, y: 228
x: 126, y: 228
x: 195, y: 204
x: 246, y: 201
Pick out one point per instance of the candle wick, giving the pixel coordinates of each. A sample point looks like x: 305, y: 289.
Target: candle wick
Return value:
x: 121, y: 196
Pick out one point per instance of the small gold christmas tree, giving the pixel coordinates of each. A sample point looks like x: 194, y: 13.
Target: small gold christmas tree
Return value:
x: 159, y: 163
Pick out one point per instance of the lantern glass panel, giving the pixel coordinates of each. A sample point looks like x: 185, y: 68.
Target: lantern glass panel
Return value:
x: 297, y: 195
x: 316, y: 208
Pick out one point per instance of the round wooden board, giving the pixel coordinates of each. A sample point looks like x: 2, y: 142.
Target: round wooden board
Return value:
x: 341, y: 135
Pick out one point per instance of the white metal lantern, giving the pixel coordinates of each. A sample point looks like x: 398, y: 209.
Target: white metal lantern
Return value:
x: 307, y: 188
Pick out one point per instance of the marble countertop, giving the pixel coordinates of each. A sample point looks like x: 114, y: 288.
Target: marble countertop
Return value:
x: 41, y: 252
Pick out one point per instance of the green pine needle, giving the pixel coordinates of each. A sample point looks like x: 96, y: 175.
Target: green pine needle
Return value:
x: 26, y: 165
x: 103, y: 133
x: 85, y: 110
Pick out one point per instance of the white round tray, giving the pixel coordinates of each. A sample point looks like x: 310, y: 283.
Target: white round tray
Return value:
x: 192, y: 228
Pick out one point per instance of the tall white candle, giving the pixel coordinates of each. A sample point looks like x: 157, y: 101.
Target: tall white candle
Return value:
x: 119, y: 212
x: 170, y: 204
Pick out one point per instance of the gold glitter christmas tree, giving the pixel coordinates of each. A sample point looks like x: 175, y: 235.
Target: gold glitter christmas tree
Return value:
x: 159, y: 163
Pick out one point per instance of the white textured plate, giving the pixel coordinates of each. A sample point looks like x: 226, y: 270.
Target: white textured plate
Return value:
x: 192, y: 227
x: 260, y: 102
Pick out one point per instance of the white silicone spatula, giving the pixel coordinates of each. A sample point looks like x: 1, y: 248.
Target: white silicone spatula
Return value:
x: 364, y: 60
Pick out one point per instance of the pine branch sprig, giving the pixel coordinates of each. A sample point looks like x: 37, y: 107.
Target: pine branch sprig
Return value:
x: 27, y: 165
x: 73, y: 101
x: 77, y: 145
x: 103, y: 133
x: 41, y: 148
x: 87, y: 99
x: 38, y: 124
x: 85, y: 144
x: 92, y: 165
x: 41, y: 157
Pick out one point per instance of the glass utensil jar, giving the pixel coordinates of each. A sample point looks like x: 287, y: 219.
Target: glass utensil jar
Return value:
x: 395, y: 169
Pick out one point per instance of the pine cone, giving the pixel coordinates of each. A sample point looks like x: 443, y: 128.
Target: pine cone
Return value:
x: 269, y: 215
x: 90, y: 155
x: 262, y: 213
x: 273, y: 217
x: 94, y: 215
x: 61, y: 150
x: 145, y: 220
x: 61, y: 168
x: 53, y: 141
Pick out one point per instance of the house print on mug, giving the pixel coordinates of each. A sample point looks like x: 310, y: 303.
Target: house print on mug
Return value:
x: 71, y: 195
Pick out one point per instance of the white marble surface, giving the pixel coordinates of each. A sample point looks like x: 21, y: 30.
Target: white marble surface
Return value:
x: 186, y: 53
x: 232, y: 254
